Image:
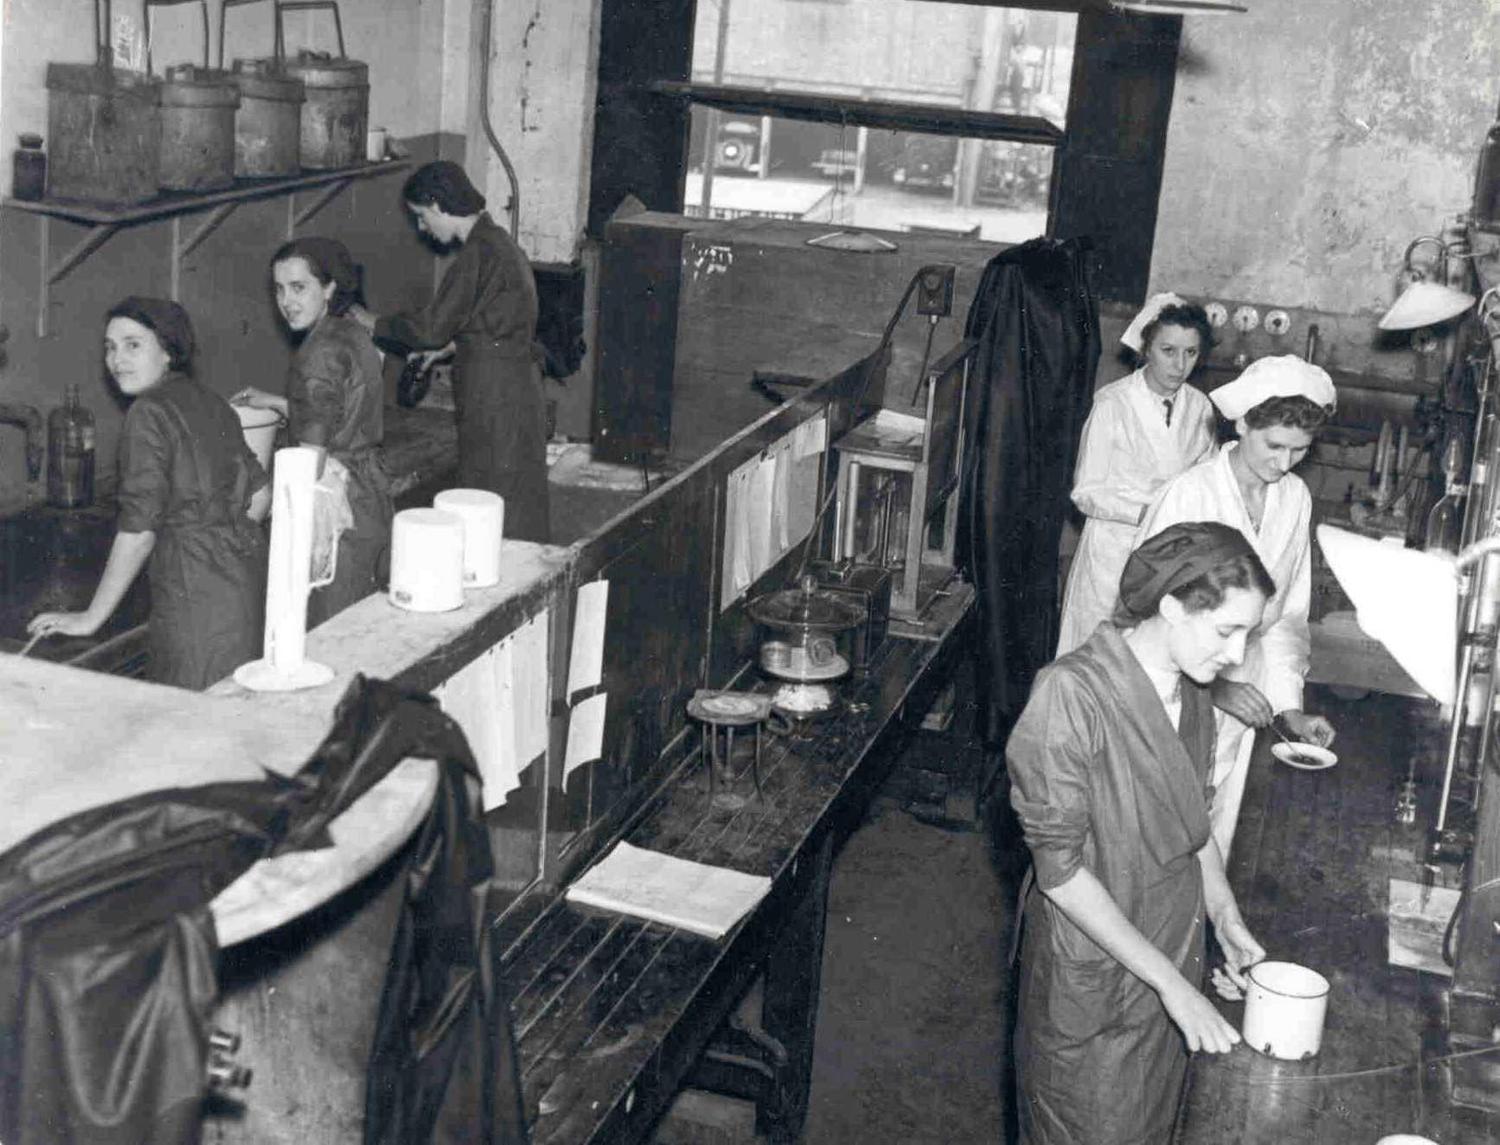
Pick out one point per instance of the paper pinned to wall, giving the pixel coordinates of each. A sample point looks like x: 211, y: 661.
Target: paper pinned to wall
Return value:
x: 585, y: 734
x: 586, y: 660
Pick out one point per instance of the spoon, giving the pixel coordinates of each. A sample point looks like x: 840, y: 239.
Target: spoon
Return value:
x: 30, y: 644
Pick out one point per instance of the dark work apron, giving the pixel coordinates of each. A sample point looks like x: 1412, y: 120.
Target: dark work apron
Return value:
x: 502, y: 431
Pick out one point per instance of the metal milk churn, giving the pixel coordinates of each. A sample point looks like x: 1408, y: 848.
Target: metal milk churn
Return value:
x: 336, y: 112
x: 197, y: 129
x: 268, y: 127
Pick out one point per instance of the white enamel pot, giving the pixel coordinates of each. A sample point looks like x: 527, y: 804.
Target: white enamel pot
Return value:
x: 1284, y: 1009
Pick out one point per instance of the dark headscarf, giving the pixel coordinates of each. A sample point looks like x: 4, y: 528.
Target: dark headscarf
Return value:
x: 1172, y: 559
x: 444, y: 185
x: 330, y: 261
x: 164, y: 318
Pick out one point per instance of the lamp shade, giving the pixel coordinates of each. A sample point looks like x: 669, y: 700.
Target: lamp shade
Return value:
x: 1406, y: 599
x: 1425, y: 303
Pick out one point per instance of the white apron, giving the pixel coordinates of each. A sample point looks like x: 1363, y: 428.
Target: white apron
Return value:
x: 1127, y: 453
x: 1276, y: 654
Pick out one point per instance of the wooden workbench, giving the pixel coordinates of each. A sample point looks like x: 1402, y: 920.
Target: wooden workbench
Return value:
x: 613, y: 1013
x: 1311, y: 864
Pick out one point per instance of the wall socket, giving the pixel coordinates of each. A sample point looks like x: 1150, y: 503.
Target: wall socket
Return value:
x: 935, y: 290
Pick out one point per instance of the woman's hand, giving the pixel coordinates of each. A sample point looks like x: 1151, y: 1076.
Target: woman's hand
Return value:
x: 259, y: 399
x: 428, y: 357
x: 1308, y: 729
x: 63, y: 624
x: 1241, y: 952
x: 362, y: 314
x: 1243, y: 701
x: 1202, y: 1026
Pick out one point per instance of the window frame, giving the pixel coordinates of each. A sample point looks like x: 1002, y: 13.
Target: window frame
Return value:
x: 1107, y: 160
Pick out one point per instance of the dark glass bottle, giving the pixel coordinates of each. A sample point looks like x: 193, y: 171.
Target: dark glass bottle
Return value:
x: 70, y: 454
x: 29, y: 169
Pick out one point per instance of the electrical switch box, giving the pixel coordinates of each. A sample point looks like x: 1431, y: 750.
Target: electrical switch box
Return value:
x: 935, y: 290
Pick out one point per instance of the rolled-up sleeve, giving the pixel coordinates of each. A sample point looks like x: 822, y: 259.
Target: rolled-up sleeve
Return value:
x: 145, y: 469
x: 433, y: 326
x: 318, y: 395
x: 1050, y: 754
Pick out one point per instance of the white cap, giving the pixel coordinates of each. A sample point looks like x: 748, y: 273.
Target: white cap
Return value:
x: 1138, y: 324
x: 1281, y: 376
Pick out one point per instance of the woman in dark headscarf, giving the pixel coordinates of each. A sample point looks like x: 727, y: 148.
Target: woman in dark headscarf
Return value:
x: 333, y: 402
x: 486, y: 308
x: 1109, y: 766
x: 190, y: 494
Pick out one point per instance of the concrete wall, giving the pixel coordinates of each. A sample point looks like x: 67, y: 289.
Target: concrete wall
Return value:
x: 544, y: 67
x: 1311, y: 140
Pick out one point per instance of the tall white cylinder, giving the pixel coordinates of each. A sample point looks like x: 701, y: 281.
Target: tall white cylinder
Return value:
x: 295, y: 476
x: 427, y: 560
x: 483, y: 515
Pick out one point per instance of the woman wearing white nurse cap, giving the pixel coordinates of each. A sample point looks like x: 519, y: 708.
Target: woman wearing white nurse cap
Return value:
x: 1277, y: 404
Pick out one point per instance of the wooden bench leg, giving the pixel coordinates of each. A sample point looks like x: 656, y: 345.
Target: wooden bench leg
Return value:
x: 789, y: 1011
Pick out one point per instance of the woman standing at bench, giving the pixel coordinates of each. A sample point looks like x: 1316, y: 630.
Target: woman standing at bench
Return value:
x: 1109, y: 766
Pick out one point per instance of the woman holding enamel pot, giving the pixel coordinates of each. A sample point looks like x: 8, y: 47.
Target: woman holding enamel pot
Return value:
x: 1109, y: 765
x: 1277, y: 405
x: 486, y: 309
x: 333, y: 402
x: 1142, y: 431
x: 191, y: 495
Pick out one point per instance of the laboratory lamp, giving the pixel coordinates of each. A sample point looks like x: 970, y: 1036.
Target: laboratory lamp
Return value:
x: 1425, y: 302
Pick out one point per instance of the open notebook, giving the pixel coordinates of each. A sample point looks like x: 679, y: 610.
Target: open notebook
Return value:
x: 679, y: 892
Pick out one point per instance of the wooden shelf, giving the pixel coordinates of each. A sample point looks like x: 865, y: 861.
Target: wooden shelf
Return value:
x: 104, y: 221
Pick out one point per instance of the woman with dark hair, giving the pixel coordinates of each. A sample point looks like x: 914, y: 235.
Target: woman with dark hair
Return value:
x: 190, y: 496
x: 1277, y: 405
x: 334, y: 398
x: 1142, y: 431
x: 1109, y: 768
x: 486, y: 309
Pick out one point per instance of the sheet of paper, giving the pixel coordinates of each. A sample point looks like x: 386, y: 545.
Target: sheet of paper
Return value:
x: 585, y: 734
x: 693, y: 896
x: 1416, y: 927
x: 762, y: 505
x: 475, y: 697
x: 529, y: 672
x: 811, y: 437
x: 507, y: 776
x: 781, y: 502
x: 586, y: 660
x: 736, y: 570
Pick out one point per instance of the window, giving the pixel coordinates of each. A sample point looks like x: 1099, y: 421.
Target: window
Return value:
x: 892, y: 114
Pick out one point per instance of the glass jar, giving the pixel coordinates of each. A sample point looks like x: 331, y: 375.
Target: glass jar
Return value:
x: 70, y: 454
x: 29, y: 169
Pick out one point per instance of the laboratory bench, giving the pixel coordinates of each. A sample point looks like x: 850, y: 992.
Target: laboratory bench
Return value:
x: 1311, y: 866
x: 612, y: 1016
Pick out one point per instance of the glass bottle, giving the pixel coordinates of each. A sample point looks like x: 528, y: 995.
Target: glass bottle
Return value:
x: 1445, y: 520
x: 29, y: 169
x: 70, y: 453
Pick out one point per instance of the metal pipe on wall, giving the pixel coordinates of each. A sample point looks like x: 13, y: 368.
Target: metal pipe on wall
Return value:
x: 514, y: 207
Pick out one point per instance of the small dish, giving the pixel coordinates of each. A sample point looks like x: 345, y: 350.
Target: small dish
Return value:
x: 1304, y: 756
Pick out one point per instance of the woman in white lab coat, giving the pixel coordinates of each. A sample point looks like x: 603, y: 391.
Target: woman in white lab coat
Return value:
x: 1277, y: 405
x: 1143, y: 430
